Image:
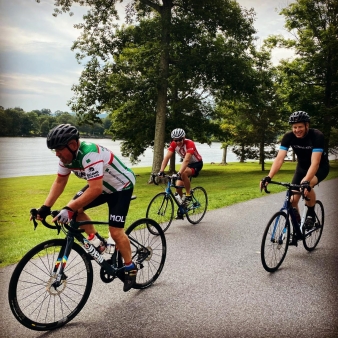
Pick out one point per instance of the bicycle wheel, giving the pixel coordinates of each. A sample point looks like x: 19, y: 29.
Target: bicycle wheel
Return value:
x: 34, y: 300
x: 275, y: 242
x: 161, y: 210
x: 197, y: 208
x: 148, y: 250
x: 312, y: 236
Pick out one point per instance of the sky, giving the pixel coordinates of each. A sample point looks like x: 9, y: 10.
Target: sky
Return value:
x: 37, y: 67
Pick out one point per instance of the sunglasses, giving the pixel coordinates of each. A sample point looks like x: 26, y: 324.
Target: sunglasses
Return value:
x: 178, y: 139
x: 58, y: 149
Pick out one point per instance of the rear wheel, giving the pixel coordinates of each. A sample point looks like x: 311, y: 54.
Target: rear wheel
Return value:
x: 312, y: 236
x: 197, y: 208
x: 149, y: 249
x: 275, y: 242
x: 37, y: 299
x: 161, y: 210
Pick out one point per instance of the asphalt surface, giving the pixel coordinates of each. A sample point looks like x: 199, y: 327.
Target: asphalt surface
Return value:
x: 213, y: 284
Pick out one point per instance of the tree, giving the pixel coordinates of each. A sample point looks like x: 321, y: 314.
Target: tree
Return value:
x: 253, y: 123
x: 312, y: 77
x: 211, y: 17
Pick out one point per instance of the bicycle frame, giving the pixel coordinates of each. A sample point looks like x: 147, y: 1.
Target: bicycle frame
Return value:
x: 72, y: 232
x: 287, y: 206
x: 169, y: 192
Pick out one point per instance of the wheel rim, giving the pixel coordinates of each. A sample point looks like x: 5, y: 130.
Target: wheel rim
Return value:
x: 148, y: 251
x: 275, y: 242
x: 42, y: 302
x: 161, y: 210
x: 198, y: 206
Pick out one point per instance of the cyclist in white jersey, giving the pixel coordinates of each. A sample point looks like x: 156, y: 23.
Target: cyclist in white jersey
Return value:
x: 192, y: 161
x: 108, y: 181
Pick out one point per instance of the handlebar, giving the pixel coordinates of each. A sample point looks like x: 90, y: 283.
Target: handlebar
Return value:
x: 56, y: 226
x: 155, y: 178
x: 72, y: 226
x: 289, y: 186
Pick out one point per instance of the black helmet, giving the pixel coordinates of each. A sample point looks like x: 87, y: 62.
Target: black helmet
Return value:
x: 60, y: 135
x: 299, y: 116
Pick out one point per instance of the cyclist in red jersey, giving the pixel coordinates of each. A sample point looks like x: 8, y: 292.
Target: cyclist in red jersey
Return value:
x: 192, y: 160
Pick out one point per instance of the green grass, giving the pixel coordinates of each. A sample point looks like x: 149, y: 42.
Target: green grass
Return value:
x: 225, y: 185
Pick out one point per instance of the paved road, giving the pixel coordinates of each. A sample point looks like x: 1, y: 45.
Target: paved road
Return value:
x: 213, y: 284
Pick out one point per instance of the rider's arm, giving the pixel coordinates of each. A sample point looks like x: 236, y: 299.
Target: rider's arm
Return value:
x: 185, y: 163
x: 277, y: 163
x: 56, y: 190
x: 315, y: 160
x: 95, y: 188
x: 166, y: 160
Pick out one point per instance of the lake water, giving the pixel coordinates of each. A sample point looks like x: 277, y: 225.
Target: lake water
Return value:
x: 29, y: 156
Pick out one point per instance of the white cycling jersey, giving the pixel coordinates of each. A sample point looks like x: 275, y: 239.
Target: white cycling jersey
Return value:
x: 97, y: 162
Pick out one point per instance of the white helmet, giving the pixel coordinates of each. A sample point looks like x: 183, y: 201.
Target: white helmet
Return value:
x: 177, y: 133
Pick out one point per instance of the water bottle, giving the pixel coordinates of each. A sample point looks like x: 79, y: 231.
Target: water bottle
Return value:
x: 110, y: 245
x: 94, y: 240
x: 178, y: 198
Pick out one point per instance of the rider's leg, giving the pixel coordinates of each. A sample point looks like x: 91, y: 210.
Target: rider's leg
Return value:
x: 294, y: 201
x: 122, y: 243
x: 82, y: 216
x: 186, y: 179
x: 312, y: 195
x: 310, y: 203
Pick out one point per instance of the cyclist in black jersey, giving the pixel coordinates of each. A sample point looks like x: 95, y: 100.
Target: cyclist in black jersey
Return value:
x: 313, y: 164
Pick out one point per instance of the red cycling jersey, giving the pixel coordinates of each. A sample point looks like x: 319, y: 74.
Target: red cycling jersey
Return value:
x: 189, y: 147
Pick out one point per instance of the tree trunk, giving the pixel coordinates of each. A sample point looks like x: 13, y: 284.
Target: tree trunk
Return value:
x: 242, y: 159
x: 262, y: 153
x: 161, y: 106
x: 224, y: 154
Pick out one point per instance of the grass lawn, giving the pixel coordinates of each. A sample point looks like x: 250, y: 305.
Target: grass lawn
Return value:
x: 225, y: 185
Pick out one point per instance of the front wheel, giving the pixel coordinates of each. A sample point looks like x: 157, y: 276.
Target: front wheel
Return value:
x: 40, y: 302
x: 161, y: 210
x: 275, y: 242
x: 197, y: 208
x: 312, y: 236
x: 148, y: 250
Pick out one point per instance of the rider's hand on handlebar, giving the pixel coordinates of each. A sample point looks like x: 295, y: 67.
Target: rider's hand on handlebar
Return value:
x: 43, y: 212
x: 305, y: 187
x: 64, y: 216
x: 264, y: 182
x: 161, y: 173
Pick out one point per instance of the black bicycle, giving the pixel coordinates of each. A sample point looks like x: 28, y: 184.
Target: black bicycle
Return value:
x: 52, y: 282
x: 284, y: 229
x: 161, y: 207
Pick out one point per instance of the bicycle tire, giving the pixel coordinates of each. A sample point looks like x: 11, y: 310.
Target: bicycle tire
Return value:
x: 34, y: 302
x: 275, y: 241
x: 312, y: 237
x: 149, y: 262
x: 161, y: 210
x: 197, y: 208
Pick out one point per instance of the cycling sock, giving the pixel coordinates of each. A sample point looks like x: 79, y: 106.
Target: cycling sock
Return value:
x: 311, y: 211
x: 129, y: 266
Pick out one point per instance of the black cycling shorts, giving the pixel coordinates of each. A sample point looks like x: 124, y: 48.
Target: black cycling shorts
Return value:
x: 300, y: 173
x: 196, y: 168
x: 118, y: 205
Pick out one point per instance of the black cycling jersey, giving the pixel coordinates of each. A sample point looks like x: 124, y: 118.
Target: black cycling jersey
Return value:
x: 304, y: 147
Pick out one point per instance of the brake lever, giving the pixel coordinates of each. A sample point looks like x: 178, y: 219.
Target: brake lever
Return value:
x: 266, y: 189
x: 34, y: 214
